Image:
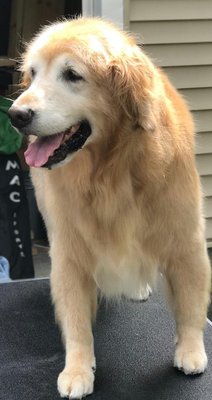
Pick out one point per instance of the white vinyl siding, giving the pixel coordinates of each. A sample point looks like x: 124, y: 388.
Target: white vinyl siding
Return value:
x: 169, y: 10
x: 177, y: 34
x: 190, y: 77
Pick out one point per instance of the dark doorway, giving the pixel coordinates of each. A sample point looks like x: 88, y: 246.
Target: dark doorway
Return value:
x: 73, y: 8
x: 5, y: 7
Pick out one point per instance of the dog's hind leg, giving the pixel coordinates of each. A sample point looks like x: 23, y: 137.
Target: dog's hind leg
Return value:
x: 74, y: 296
x: 188, y: 279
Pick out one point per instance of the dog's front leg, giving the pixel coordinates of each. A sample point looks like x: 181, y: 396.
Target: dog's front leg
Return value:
x: 189, y: 282
x: 74, y: 297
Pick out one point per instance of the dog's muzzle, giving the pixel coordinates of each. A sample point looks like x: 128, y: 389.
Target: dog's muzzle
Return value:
x: 46, y: 151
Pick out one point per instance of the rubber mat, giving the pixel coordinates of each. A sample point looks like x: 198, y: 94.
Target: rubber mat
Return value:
x: 134, y: 345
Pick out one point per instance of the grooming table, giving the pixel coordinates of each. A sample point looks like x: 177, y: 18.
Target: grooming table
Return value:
x: 133, y: 343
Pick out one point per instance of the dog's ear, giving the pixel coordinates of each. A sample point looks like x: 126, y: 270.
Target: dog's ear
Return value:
x: 133, y: 82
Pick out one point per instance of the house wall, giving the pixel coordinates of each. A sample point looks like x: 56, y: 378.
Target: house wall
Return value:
x: 177, y: 34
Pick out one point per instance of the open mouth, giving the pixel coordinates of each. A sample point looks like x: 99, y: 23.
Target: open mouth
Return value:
x: 47, y: 151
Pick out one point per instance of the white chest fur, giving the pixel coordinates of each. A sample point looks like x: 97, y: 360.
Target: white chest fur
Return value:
x: 126, y: 275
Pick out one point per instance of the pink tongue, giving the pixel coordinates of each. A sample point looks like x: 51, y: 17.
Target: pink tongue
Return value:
x: 38, y: 152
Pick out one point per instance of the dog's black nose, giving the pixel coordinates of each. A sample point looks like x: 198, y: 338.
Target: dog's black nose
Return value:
x: 20, y: 116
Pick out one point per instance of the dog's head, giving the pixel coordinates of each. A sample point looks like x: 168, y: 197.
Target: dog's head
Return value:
x: 83, y: 80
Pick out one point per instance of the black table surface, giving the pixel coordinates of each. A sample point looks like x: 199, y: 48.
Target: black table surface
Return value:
x: 134, y: 344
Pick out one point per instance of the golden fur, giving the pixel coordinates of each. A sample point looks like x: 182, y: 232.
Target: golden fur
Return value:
x: 128, y: 203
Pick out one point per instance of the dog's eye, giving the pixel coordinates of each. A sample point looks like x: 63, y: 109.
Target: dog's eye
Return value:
x: 69, y: 75
x: 32, y: 72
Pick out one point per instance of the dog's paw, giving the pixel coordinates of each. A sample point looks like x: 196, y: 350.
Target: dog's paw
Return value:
x: 143, y: 294
x: 75, y: 384
x: 190, y: 362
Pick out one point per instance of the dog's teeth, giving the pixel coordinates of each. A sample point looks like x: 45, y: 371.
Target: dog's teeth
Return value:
x: 74, y: 128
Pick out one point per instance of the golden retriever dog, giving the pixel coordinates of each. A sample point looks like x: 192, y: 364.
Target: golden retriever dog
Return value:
x: 112, y: 161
